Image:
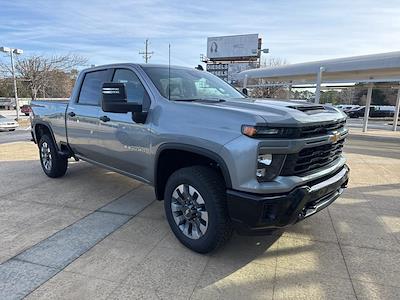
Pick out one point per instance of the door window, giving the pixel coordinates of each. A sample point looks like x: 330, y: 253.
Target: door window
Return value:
x: 91, y: 90
x: 135, y: 91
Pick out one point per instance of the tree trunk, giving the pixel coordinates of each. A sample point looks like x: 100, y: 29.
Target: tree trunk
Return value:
x: 33, y: 93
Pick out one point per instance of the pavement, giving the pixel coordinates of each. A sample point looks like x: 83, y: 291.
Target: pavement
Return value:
x: 95, y: 234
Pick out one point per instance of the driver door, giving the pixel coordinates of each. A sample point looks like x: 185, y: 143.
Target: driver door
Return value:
x: 125, y: 143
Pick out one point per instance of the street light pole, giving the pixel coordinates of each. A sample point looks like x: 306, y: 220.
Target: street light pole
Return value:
x: 260, y: 52
x: 15, y: 83
x: 12, y: 52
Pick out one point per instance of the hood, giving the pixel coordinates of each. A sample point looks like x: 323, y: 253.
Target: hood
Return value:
x: 282, y: 112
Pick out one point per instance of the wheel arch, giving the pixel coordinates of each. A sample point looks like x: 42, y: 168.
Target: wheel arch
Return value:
x: 189, y: 155
x: 41, y: 128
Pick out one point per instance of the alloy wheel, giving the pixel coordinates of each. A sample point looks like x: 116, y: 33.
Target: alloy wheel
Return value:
x: 45, y: 154
x: 189, y: 211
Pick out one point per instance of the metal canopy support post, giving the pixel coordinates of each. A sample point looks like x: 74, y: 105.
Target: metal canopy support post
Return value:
x: 396, y: 111
x: 245, y: 82
x: 367, y: 107
x: 318, y: 84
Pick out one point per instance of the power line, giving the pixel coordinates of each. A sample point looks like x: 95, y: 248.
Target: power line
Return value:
x: 146, y: 54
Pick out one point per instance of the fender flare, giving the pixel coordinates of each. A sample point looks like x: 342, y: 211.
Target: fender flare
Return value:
x: 197, y: 150
x: 46, y: 124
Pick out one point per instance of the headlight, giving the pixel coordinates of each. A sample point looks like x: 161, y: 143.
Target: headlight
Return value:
x: 269, y: 166
x: 268, y: 132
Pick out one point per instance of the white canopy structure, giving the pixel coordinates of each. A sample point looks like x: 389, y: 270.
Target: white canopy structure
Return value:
x: 384, y: 67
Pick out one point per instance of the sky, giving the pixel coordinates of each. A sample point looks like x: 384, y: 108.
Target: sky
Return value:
x: 115, y: 31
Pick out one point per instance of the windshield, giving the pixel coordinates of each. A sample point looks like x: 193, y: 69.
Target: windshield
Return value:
x: 2, y: 117
x: 187, y: 84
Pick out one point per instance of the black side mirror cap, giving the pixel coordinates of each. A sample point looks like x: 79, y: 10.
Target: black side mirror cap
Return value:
x: 114, y: 99
x: 245, y: 91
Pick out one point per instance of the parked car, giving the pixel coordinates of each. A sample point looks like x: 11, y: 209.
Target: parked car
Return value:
x: 7, y: 124
x: 25, y: 109
x: 218, y: 159
x: 374, y: 112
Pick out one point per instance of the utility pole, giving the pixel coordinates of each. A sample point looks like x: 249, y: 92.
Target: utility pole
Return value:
x: 146, y: 54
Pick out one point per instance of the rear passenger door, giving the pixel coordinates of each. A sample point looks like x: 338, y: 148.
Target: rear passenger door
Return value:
x: 83, y: 114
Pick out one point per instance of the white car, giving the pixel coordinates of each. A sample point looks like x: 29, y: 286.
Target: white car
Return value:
x: 7, y: 124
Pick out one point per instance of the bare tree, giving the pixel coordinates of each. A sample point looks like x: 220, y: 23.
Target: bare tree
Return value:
x: 264, y: 91
x: 38, y: 70
x: 273, y: 62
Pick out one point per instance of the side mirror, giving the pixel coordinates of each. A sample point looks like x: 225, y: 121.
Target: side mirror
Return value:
x: 114, y: 99
x: 245, y: 91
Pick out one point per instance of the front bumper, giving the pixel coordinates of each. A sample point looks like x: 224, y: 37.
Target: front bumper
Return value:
x: 260, y: 214
x: 7, y: 127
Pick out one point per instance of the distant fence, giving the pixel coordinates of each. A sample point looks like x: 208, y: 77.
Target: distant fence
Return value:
x: 9, y: 103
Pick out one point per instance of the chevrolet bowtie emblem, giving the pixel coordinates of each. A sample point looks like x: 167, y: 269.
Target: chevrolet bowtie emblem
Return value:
x: 334, y: 137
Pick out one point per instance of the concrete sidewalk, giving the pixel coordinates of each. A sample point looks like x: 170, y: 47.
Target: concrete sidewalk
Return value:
x: 349, y: 251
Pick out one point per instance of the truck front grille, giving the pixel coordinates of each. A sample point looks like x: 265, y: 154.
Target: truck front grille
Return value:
x: 311, y: 158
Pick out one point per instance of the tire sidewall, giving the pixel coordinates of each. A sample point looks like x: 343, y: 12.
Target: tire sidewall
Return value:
x: 56, y: 165
x: 207, y: 241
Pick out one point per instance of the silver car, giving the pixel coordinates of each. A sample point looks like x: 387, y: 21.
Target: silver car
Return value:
x: 7, y: 124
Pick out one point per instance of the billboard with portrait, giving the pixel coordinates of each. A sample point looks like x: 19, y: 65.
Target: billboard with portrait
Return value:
x: 234, y: 46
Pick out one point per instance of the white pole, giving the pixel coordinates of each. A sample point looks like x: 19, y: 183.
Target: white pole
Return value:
x: 289, y: 92
x: 396, y: 112
x: 245, y: 81
x: 318, y: 86
x: 367, y: 107
x: 15, y: 82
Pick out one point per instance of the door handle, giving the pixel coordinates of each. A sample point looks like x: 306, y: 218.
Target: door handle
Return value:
x: 104, y: 118
x: 71, y: 114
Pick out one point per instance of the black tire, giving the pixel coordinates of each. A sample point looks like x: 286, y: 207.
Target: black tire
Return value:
x: 58, y: 164
x: 211, y: 189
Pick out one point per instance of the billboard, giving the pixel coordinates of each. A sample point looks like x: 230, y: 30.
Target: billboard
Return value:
x: 234, y: 46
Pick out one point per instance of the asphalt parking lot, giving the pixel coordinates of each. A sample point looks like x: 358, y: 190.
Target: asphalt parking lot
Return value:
x: 94, y: 234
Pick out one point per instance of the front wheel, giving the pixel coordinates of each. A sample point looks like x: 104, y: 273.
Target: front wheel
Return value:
x: 53, y: 164
x: 195, y: 206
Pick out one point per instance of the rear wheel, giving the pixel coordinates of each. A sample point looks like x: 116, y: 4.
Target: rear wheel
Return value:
x: 195, y: 206
x: 53, y: 164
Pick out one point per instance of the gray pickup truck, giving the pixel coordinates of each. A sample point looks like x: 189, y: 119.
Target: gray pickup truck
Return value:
x: 219, y: 159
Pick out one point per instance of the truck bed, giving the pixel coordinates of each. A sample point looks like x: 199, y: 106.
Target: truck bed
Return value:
x: 51, y: 112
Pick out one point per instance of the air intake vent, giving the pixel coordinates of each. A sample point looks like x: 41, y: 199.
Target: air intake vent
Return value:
x: 306, y: 108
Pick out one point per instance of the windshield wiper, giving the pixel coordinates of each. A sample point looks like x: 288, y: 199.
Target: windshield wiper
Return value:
x: 201, y: 99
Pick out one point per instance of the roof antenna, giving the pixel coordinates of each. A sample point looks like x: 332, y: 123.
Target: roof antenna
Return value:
x: 169, y: 71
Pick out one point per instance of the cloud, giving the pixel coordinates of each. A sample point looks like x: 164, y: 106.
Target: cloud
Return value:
x: 107, y: 31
